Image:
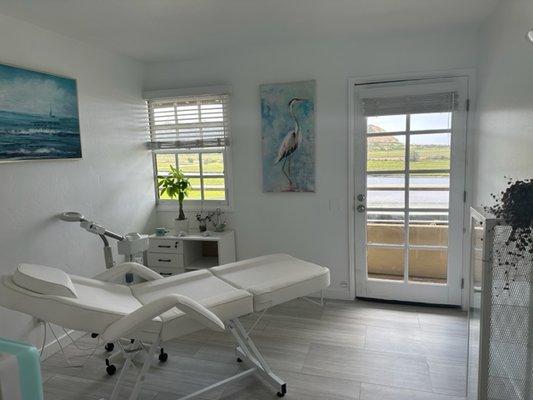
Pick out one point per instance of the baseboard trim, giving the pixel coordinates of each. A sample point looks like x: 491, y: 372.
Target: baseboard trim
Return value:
x: 53, y: 347
x: 337, y: 294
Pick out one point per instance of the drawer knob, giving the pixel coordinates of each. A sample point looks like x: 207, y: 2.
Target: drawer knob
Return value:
x: 164, y: 260
x: 164, y: 246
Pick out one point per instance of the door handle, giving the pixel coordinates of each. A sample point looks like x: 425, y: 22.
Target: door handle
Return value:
x: 361, y: 208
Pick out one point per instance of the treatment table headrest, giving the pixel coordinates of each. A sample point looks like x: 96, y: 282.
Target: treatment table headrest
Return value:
x: 44, y: 280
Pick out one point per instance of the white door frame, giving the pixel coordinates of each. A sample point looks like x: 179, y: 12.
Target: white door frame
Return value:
x: 471, y: 90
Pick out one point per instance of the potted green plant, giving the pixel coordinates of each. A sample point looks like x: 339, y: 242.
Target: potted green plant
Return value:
x: 176, y: 186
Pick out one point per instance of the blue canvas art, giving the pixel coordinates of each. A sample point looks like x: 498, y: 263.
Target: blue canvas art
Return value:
x: 38, y: 116
x: 288, y: 136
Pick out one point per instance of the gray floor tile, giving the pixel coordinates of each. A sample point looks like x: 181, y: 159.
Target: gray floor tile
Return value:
x: 343, y: 351
x: 63, y: 387
x: 362, y: 365
x: 377, y: 392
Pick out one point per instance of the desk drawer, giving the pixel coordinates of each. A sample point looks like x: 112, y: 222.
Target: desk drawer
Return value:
x: 165, y: 246
x: 166, y: 260
x: 165, y: 271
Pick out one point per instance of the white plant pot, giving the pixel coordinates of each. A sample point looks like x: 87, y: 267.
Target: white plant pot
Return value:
x: 181, y: 226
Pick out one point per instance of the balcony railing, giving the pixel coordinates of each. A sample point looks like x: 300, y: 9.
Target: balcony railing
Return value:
x: 428, y: 255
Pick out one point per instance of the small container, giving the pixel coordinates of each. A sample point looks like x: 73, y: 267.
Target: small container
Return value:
x: 161, y: 231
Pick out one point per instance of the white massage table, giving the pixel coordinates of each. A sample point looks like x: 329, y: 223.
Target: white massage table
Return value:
x: 162, y: 309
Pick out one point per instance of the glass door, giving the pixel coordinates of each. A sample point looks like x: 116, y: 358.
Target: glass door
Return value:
x: 410, y: 147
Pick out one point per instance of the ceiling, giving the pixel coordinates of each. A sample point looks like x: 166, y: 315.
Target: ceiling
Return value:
x: 160, y: 30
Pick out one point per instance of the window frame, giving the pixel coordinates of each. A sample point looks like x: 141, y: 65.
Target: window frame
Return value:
x: 194, y: 205
x: 197, y: 205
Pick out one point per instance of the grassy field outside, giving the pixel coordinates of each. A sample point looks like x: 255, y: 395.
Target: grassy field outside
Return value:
x: 189, y: 164
x: 382, y: 156
x: 391, y: 157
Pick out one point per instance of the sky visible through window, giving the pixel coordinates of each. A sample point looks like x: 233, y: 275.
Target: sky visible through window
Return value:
x: 419, y: 122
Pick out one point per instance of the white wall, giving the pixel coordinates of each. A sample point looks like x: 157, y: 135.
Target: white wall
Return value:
x: 112, y: 183
x: 504, y: 140
x: 310, y: 226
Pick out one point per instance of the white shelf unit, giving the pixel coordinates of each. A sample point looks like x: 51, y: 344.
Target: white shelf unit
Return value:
x: 171, y: 254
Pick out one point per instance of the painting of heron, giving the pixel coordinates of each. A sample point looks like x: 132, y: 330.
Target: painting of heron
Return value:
x: 288, y: 136
x: 38, y: 115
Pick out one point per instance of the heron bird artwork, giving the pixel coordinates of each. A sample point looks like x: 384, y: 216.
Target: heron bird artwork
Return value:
x: 290, y: 144
x: 288, y: 136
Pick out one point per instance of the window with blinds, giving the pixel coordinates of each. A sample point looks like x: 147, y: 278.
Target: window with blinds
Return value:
x: 413, y: 104
x: 188, y: 122
x: 192, y: 134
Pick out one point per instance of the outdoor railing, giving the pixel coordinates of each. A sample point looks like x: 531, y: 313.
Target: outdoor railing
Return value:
x: 427, y: 252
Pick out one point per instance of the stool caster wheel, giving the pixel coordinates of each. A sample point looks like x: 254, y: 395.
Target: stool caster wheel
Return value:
x: 239, y: 359
x: 110, y: 368
x: 280, y: 394
x: 109, y: 347
x: 163, y: 357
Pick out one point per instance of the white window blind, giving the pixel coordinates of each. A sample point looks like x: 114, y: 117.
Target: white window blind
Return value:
x: 192, y: 122
x: 411, y: 104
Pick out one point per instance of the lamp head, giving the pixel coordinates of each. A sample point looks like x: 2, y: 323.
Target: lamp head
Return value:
x: 529, y: 35
x: 71, y: 216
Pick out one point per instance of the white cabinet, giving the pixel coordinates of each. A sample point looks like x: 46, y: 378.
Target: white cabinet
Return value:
x: 165, y: 245
x: 170, y: 254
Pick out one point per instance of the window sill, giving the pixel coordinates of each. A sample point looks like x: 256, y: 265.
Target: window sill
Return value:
x: 172, y: 206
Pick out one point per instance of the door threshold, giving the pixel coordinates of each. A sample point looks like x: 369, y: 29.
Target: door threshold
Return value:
x: 408, y: 303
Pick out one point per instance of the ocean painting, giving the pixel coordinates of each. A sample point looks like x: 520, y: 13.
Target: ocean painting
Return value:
x: 288, y: 136
x: 38, y: 116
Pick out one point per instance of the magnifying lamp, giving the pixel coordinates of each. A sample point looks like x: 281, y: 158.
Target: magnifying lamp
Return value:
x: 89, y: 226
x: 71, y: 216
x: 128, y: 245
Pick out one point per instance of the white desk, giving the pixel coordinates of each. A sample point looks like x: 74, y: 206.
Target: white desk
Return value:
x: 171, y: 254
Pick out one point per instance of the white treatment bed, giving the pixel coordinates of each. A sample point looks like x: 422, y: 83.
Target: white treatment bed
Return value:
x: 162, y: 309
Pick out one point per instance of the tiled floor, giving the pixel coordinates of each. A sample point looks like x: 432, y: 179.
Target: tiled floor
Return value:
x: 345, y: 350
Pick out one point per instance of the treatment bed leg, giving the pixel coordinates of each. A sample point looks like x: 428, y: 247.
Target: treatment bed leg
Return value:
x: 128, y: 353
x: 118, y: 384
x: 146, y: 365
x: 250, y: 355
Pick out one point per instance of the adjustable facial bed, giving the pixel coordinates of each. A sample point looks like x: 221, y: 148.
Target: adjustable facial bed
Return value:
x: 161, y: 309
